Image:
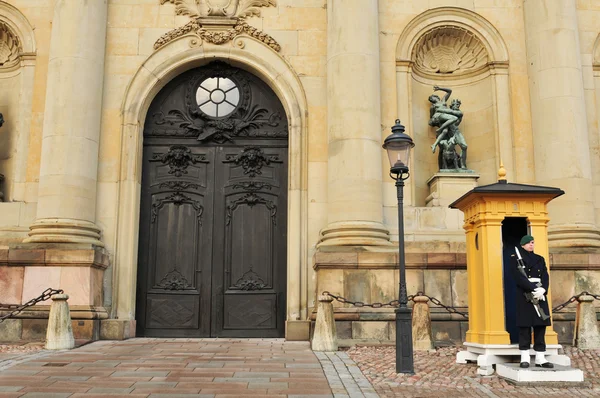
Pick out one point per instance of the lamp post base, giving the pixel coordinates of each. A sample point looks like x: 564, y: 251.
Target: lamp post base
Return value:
x: 404, y: 346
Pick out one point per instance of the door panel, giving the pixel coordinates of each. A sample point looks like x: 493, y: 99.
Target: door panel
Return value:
x: 175, y: 241
x: 213, y: 221
x: 173, y: 311
x: 254, y: 205
x: 250, y: 313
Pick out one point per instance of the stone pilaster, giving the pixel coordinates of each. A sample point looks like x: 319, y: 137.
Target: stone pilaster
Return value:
x: 66, y: 209
x: 561, y: 150
x: 355, y: 211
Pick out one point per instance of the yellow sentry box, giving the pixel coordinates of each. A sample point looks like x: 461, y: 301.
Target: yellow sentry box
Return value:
x: 485, y: 208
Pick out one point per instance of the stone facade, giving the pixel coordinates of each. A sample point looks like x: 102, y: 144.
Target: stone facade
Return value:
x: 77, y: 78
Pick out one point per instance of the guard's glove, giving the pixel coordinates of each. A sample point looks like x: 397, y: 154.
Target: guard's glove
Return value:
x: 538, y: 293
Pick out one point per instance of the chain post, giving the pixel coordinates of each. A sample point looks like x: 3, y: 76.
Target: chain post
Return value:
x: 46, y: 294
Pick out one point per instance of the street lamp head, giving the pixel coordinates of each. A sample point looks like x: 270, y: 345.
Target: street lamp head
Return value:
x: 398, y: 146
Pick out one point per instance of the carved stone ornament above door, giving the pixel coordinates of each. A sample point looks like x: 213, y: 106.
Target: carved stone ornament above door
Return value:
x: 218, y: 21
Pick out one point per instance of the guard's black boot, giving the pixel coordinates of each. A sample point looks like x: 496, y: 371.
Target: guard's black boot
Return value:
x: 524, y: 358
x: 541, y: 362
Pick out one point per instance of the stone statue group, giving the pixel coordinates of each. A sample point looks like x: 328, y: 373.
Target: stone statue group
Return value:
x: 448, y: 135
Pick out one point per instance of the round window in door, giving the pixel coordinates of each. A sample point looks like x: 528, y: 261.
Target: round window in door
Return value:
x: 217, y: 96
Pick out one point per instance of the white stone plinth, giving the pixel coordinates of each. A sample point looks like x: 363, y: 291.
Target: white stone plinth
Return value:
x: 557, y: 375
x: 488, y: 355
x: 445, y: 188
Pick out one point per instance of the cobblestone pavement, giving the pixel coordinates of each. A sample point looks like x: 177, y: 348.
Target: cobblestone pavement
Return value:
x: 13, y: 354
x: 437, y: 375
x: 215, y: 368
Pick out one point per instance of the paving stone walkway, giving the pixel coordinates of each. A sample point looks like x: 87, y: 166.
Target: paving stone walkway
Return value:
x: 215, y: 368
x: 221, y: 368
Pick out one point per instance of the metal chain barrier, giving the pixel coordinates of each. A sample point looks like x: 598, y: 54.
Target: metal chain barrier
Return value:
x: 450, y: 309
x: 396, y: 303
x: 574, y: 299
x: 16, y: 309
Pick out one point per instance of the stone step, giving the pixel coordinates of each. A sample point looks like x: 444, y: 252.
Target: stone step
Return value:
x: 559, y: 376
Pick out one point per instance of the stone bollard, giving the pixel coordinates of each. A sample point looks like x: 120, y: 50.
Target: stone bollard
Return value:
x: 59, y: 335
x: 421, y: 325
x: 586, y: 325
x: 325, y: 336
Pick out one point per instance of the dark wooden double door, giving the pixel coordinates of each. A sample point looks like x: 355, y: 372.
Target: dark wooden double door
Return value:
x: 212, y: 251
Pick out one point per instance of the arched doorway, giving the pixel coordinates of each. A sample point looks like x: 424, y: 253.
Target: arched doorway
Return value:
x: 213, y: 212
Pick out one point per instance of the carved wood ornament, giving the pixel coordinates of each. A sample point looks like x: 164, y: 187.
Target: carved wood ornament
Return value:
x: 247, y: 119
x: 179, y: 158
x: 209, y: 12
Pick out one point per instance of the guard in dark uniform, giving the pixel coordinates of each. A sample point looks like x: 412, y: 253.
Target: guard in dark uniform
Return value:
x: 534, y: 281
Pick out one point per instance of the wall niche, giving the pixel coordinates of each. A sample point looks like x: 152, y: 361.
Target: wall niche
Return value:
x: 17, y: 65
x: 457, y: 49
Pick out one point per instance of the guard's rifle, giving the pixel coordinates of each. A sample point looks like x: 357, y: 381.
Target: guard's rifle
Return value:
x: 529, y: 295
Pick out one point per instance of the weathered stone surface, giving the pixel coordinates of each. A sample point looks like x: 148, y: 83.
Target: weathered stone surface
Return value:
x: 562, y: 285
x: 11, y: 329
x: 587, y: 281
x: 370, y: 330
x: 26, y: 256
x: 445, y: 332
x: 588, y: 334
x: 59, y: 335
x: 421, y: 325
x: 437, y: 285
x: 325, y: 336
x: 297, y: 330
x: 11, y: 284
x: 357, y: 285
x: 344, y: 329
x: 459, y: 288
x: 116, y: 329
x: 565, y: 331
x: 86, y: 329
x: 34, y: 329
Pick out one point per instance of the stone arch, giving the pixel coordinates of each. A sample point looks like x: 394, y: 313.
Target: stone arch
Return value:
x: 458, y: 48
x: 18, y: 24
x: 167, y: 62
x: 457, y: 18
x: 17, y: 66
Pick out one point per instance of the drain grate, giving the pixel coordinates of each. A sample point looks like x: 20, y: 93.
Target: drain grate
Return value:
x: 56, y: 364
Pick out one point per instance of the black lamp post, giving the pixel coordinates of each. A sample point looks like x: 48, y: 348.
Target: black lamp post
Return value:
x: 398, y: 146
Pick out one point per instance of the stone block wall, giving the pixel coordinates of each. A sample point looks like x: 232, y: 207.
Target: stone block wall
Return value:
x: 371, y: 277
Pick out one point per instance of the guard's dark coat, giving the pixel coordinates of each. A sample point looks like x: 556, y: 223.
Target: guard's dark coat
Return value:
x: 535, y: 267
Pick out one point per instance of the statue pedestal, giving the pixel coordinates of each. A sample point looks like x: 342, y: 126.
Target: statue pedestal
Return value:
x: 446, y: 187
